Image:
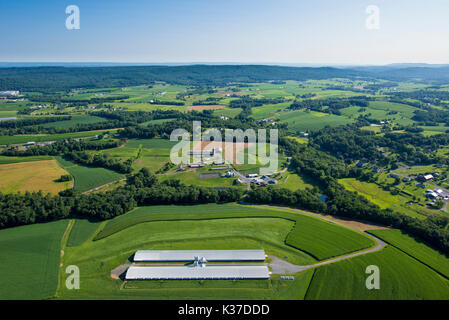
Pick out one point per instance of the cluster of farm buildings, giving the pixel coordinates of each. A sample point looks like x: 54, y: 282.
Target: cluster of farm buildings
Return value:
x: 257, y: 180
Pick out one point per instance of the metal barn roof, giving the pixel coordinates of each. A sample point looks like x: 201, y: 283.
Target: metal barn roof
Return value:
x: 193, y: 273
x: 189, y: 255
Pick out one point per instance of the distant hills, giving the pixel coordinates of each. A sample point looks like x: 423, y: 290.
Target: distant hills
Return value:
x: 58, y: 78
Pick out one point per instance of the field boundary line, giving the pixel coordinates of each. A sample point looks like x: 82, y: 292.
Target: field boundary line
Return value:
x: 310, y: 283
x: 408, y: 254
x: 63, y: 244
x: 380, y: 243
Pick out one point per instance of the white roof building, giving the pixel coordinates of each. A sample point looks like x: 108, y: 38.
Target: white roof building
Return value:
x: 189, y: 255
x: 197, y: 272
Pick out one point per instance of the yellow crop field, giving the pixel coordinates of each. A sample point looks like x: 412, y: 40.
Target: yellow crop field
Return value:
x: 32, y: 176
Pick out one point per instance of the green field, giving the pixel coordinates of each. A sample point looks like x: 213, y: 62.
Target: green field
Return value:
x: 81, y: 231
x: 371, y: 191
x: 30, y: 260
x: 6, y: 159
x: 75, y: 120
x: 193, y: 178
x: 325, y: 240
x: 5, y: 140
x: 154, y: 153
x: 97, y: 258
x: 417, y: 250
x: 333, y: 240
x: 151, y: 143
x: 304, y: 121
x: 293, y: 181
x: 87, y: 178
x: 401, y: 277
x: 385, y: 199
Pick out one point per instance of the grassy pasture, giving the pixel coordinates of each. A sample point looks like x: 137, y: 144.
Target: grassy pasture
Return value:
x: 371, y: 191
x: 293, y: 181
x: 30, y: 260
x: 384, y: 199
x: 416, y: 249
x: 32, y: 176
x: 401, y: 277
x: 87, y: 178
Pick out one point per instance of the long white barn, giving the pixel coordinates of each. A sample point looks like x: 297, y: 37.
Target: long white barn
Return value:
x: 189, y: 255
x: 197, y: 273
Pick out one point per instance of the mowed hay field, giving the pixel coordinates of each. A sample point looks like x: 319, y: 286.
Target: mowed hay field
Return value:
x: 32, y: 176
x: 29, y: 258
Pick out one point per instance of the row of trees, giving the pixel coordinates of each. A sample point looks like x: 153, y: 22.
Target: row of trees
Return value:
x: 24, y: 122
x: 141, y: 189
x: 326, y: 169
x: 350, y: 143
x: 330, y: 105
x: 63, y: 147
x: 77, y: 151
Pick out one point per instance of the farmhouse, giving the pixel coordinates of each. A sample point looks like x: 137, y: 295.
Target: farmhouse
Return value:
x: 230, y: 174
x: 189, y: 255
x: 425, y: 177
x: 432, y: 195
x: 197, y: 273
x: 9, y: 93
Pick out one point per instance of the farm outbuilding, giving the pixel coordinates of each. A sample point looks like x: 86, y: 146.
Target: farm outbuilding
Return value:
x: 189, y: 255
x: 197, y: 273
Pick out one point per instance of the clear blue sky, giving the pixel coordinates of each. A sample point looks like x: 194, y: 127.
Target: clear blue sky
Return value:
x: 248, y: 31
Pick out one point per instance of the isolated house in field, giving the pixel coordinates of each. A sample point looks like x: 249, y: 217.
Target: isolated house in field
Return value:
x: 360, y: 164
x: 425, y: 177
x: 230, y: 174
x: 432, y: 195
